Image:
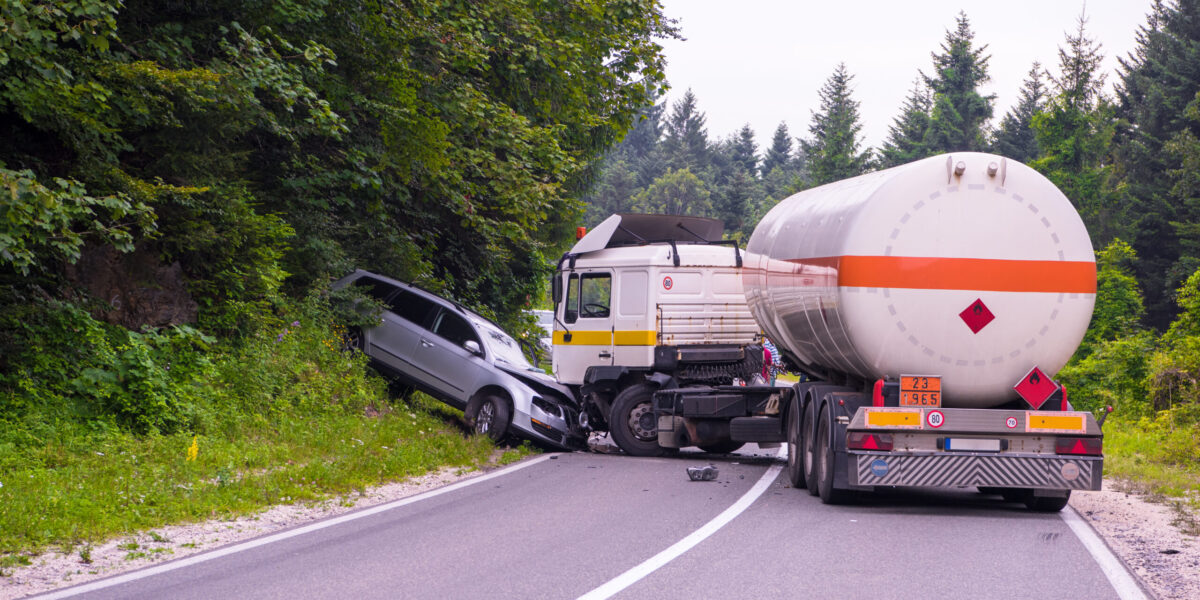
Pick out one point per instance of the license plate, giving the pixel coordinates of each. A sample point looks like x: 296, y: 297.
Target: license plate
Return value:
x: 971, y: 445
x: 920, y: 390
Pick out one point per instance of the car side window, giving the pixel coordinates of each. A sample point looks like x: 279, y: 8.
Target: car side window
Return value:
x: 454, y: 328
x: 413, y: 307
x: 379, y: 290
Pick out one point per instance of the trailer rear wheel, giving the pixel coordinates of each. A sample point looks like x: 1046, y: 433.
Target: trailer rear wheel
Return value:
x: 724, y: 447
x: 795, y: 446
x: 808, y: 439
x: 1046, y: 504
x: 825, y: 461
x: 632, y: 422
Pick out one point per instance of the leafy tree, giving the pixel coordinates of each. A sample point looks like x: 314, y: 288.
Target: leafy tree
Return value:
x: 959, y: 111
x: 833, y: 150
x: 1016, y: 138
x: 905, y: 141
x: 1119, y: 307
x: 679, y: 192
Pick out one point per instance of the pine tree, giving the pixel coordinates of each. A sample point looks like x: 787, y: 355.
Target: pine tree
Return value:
x: 1159, y: 79
x: 745, y: 151
x: 686, y: 142
x: 1016, y: 139
x: 960, y: 112
x: 905, y: 136
x: 780, y: 152
x: 1074, y: 132
x: 833, y: 150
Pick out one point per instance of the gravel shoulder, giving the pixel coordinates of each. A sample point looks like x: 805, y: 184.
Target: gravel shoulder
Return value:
x: 1148, y: 537
x: 1151, y: 538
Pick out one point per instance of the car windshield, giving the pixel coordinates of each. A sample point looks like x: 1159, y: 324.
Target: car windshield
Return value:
x: 502, y: 345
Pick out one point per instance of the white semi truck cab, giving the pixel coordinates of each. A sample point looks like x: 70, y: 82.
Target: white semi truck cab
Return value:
x: 643, y: 301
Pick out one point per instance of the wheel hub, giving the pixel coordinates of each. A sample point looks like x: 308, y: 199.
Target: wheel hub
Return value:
x: 641, y: 422
x: 483, y: 421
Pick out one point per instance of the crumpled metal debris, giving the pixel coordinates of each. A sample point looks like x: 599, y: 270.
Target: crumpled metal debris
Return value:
x: 705, y: 473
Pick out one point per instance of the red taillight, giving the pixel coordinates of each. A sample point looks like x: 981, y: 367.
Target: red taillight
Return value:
x: 868, y: 441
x: 1089, y: 446
x: 877, y: 395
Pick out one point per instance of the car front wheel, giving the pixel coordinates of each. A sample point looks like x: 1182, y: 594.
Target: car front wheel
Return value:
x: 489, y: 415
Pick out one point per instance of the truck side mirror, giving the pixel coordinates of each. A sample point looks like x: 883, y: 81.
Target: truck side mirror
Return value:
x: 556, y: 287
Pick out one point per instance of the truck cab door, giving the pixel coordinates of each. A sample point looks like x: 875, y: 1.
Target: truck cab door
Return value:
x: 587, y: 315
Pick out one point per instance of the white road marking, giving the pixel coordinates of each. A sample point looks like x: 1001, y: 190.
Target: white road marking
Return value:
x: 660, y: 560
x: 1124, y: 583
x: 283, y: 535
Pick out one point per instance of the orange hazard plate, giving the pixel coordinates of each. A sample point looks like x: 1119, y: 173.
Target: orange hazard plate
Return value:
x: 920, y: 390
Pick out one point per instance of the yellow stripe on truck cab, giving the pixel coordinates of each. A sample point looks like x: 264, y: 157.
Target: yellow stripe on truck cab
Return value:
x: 604, y: 338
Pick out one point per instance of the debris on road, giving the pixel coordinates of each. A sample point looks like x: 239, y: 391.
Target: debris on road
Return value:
x: 706, y: 473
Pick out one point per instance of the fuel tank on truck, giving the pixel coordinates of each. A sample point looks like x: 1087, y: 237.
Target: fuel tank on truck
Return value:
x: 968, y: 266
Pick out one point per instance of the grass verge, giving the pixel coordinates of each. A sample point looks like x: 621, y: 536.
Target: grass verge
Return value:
x: 1154, y: 461
x: 118, y: 484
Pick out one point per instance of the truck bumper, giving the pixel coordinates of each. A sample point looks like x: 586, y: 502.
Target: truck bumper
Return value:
x: 984, y: 470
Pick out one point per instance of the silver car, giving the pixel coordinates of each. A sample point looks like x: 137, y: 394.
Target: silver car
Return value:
x: 466, y: 361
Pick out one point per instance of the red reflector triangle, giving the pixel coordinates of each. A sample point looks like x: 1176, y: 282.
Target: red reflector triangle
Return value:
x: 1078, y: 448
x: 869, y: 443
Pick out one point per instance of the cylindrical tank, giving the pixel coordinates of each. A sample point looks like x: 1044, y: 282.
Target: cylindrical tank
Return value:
x: 968, y: 266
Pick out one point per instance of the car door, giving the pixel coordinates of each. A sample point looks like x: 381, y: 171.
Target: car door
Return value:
x: 442, y: 354
x: 395, y: 341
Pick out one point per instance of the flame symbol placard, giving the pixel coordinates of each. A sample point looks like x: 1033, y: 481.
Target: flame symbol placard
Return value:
x: 1034, y: 379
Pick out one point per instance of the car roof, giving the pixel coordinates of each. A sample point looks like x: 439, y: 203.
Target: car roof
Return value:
x: 360, y: 273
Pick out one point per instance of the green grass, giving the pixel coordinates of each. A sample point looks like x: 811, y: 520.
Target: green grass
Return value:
x: 1159, y: 460
x: 122, y: 484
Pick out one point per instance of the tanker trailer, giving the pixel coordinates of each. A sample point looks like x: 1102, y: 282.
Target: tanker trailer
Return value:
x: 930, y: 305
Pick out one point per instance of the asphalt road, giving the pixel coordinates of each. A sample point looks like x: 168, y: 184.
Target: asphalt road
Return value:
x: 570, y: 524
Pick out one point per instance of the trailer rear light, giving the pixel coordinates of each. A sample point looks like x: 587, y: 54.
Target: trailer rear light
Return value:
x: 869, y: 441
x: 1089, y: 446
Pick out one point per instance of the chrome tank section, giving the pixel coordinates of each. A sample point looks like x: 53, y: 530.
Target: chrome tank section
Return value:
x: 968, y: 266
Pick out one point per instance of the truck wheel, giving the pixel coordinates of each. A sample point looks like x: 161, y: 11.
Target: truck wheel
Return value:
x: 488, y: 415
x: 1044, y: 504
x: 808, y: 437
x: 724, y: 447
x: 795, y: 446
x: 632, y: 422
x: 825, y: 461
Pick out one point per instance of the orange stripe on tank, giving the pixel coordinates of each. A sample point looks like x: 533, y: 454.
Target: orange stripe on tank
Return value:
x: 940, y: 273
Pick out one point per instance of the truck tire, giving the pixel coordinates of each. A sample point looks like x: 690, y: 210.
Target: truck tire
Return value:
x: 1044, y: 504
x: 724, y: 447
x: 488, y: 415
x: 795, y: 445
x: 825, y: 461
x: 808, y: 433
x: 631, y: 422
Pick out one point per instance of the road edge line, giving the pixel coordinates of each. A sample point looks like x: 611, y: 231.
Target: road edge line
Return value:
x: 1124, y: 583
x: 652, y: 564
x: 282, y: 535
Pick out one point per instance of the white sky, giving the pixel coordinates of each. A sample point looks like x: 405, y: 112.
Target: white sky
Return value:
x: 763, y: 61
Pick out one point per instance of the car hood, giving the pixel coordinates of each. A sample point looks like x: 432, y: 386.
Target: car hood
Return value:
x: 541, y: 383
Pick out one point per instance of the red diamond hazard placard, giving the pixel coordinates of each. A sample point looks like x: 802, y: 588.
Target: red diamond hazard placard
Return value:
x: 976, y: 316
x: 1036, y: 388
